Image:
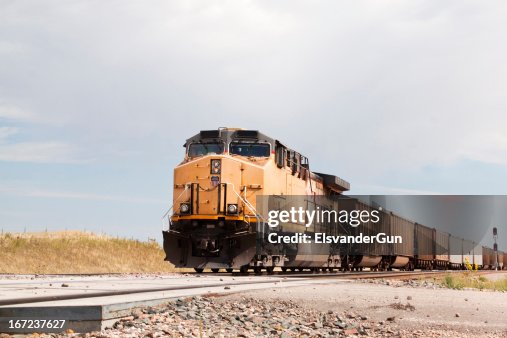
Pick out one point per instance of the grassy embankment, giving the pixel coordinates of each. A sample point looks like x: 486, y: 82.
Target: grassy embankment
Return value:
x: 471, y: 279
x: 78, y: 252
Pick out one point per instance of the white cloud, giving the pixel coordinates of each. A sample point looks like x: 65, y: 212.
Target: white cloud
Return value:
x: 19, y: 190
x: 360, y: 86
x: 10, y: 47
x: 489, y: 146
x: 13, y: 112
x: 91, y: 196
x: 38, y: 152
x: 6, y: 132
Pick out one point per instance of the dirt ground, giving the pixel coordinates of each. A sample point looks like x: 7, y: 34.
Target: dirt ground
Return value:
x: 427, y: 311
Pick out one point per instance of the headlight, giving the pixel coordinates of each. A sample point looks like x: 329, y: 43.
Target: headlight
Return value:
x: 232, y: 208
x: 184, y: 208
x: 216, y: 166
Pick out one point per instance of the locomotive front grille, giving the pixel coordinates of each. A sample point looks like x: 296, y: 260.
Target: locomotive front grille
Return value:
x: 214, y: 197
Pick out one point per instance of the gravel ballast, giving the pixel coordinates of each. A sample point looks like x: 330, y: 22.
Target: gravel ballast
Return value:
x: 362, y: 308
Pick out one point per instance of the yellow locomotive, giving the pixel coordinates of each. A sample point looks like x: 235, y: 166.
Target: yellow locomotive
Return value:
x: 215, y: 219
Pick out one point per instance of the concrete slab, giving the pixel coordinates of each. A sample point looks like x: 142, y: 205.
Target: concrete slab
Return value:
x: 97, y: 313
x: 58, y: 286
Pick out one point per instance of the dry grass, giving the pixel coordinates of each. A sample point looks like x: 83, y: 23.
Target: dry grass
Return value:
x: 473, y: 280
x: 78, y: 252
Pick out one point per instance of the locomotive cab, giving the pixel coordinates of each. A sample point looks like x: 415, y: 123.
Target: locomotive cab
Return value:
x: 214, y: 217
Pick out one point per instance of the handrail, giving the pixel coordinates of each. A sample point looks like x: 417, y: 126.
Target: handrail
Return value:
x: 247, y: 203
x: 174, y: 202
x: 252, y: 209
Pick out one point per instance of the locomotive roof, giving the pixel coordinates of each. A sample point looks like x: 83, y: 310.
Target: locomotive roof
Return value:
x: 237, y: 134
x: 230, y: 134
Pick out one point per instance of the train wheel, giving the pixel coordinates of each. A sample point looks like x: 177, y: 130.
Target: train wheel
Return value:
x: 244, y: 269
x: 215, y: 270
x: 228, y: 270
x: 292, y: 269
x: 331, y: 269
x: 198, y: 270
x: 284, y: 269
x: 257, y: 270
x: 270, y: 270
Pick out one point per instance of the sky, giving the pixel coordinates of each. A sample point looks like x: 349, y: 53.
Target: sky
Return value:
x: 97, y: 98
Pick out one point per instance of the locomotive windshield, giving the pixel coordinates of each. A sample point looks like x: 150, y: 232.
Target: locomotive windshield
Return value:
x: 250, y: 149
x: 201, y: 149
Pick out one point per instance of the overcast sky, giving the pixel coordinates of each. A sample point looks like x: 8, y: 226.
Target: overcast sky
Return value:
x: 97, y: 98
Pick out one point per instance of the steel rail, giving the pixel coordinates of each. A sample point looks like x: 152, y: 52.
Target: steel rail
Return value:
x: 276, y: 279
x: 28, y: 300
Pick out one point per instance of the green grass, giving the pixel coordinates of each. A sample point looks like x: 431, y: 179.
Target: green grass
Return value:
x: 473, y: 280
x: 78, y: 252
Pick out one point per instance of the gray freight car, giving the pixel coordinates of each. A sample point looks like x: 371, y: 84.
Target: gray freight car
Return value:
x: 401, y: 254
x: 360, y: 255
x: 441, y: 249
x: 455, y: 252
x: 423, y: 245
x: 488, y: 260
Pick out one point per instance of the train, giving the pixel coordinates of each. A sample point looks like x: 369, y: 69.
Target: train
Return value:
x: 230, y: 177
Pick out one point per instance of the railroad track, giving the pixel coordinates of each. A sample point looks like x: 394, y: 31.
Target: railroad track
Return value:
x: 356, y: 275
x: 287, y: 278
x: 39, y: 299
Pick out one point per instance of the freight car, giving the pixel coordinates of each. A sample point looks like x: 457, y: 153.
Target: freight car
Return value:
x: 363, y: 254
x: 423, y: 250
x: 218, y: 220
x: 456, y: 259
x: 382, y: 256
x: 401, y: 255
x: 440, y: 249
x: 488, y: 258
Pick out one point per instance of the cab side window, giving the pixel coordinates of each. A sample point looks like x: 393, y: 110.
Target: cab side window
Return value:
x: 280, y: 155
